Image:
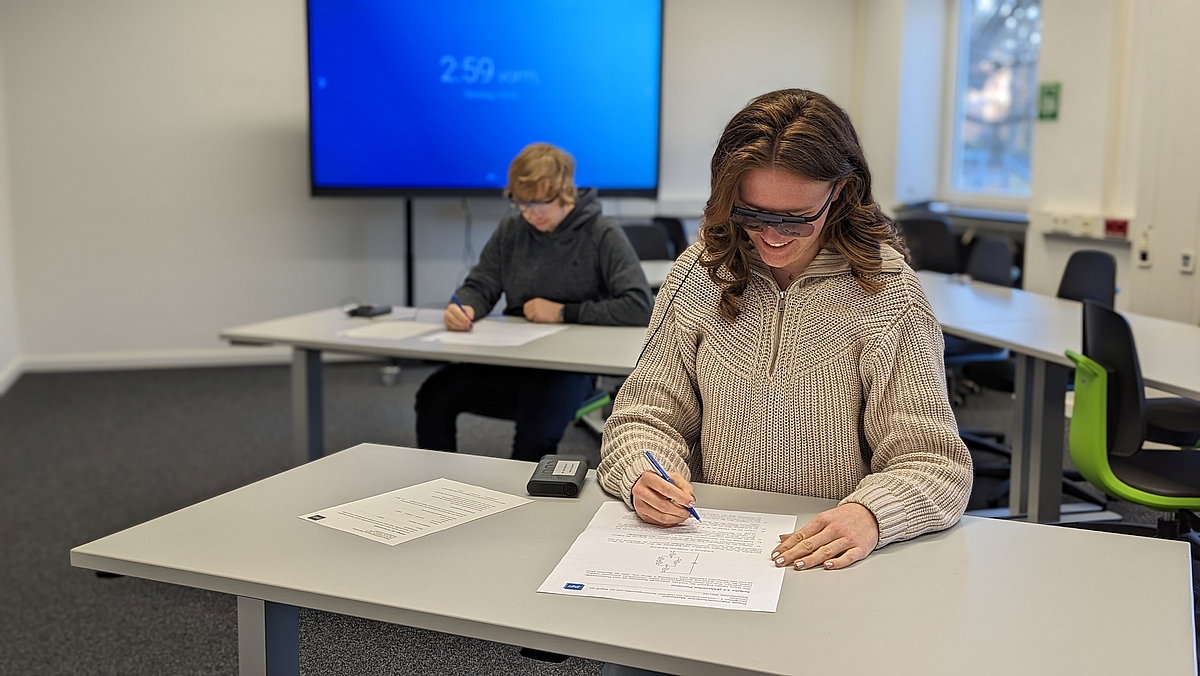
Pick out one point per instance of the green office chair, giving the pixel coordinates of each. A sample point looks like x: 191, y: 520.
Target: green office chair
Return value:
x: 1112, y: 420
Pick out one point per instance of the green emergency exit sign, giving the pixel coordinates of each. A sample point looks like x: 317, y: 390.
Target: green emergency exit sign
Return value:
x: 1048, y: 100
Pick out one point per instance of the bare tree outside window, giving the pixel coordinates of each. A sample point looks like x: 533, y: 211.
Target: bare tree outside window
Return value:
x: 996, y: 96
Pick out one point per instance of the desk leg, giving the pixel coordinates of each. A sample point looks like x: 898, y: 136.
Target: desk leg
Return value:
x: 308, y: 410
x: 1046, y: 447
x: 268, y: 638
x: 1018, y: 491
x: 1038, y: 455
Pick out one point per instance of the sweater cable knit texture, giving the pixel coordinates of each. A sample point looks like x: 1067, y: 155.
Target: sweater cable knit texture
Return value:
x: 821, y: 390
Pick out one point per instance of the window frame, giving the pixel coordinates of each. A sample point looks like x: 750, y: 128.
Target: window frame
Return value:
x: 956, y: 24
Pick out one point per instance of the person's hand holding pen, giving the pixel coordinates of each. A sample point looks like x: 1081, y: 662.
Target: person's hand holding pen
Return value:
x: 458, y: 317
x: 663, y: 501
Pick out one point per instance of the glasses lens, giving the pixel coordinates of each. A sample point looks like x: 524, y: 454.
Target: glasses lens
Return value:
x: 787, y: 229
x: 795, y: 229
x: 748, y: 222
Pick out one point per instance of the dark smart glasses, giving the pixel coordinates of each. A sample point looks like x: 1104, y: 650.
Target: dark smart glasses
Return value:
x: 790, y: 226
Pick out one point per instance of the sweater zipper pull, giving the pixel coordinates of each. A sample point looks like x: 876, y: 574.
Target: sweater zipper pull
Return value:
x: 778, y: 331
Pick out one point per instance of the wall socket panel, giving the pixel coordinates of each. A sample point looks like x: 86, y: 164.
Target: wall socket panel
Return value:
x: 1187, y: 261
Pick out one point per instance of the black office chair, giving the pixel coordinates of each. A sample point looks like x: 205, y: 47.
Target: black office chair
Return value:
x: 674, y: 230
x: 1089, y: 275
x: 990, y: 262
x: 650, y: 241
x: 932, y: 244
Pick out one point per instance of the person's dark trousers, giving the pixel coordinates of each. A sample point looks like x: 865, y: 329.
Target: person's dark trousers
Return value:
x: 541, y: 402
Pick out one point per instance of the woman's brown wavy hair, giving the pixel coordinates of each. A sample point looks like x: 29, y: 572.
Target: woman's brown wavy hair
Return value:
x: 806, y: 134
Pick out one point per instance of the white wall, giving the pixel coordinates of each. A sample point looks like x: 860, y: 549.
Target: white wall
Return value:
x: 1126, y: 145
x: 1168, y: 206
x: 898, y: 96
x: 10, y: 347
x: 158, y: 159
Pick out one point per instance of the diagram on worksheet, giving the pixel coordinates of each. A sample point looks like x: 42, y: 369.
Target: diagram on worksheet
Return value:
x: 678, y: 563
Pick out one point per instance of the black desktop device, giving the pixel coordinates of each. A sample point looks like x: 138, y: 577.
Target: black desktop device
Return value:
x: 559, y: 476
x: 369, y: 310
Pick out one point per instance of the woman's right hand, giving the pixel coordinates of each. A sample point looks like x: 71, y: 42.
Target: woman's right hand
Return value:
x: 458, y: 320
x: 657, y: 501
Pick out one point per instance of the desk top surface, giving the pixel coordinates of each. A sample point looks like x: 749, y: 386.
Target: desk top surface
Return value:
x: 607, y: 350
x: 1045, y: 326
x: 985, y: 596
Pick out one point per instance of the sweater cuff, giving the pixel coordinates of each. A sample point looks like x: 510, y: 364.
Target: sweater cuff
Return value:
x: 630, y: 473
x: 571, y: 312
x: 888, y: 512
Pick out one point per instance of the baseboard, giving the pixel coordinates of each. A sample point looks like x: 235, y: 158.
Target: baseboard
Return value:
x: 9, y: 374
x: 163, y: 359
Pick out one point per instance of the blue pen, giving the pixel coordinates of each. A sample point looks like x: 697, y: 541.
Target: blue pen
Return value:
x: 454, y: 297
x: 663, y: 473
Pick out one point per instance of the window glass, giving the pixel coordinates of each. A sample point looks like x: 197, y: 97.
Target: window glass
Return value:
x: 996, y: 96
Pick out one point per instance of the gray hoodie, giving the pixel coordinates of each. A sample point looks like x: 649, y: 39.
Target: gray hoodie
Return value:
x: 586, y: 263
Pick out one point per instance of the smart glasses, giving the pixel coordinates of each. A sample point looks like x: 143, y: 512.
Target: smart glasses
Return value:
x: 537, y: 207
x: 790, y: 226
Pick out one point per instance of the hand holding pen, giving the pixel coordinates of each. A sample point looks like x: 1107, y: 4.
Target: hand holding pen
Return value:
x: 458, y: 317
x: 663, y: 498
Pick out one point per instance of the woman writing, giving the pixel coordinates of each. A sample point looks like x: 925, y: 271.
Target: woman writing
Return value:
x: 793, y: 350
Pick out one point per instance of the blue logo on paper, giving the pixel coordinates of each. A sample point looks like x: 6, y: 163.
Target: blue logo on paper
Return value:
x: 573, y: 585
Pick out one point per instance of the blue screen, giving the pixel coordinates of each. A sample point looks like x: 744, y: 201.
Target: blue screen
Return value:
x: 441, y: 95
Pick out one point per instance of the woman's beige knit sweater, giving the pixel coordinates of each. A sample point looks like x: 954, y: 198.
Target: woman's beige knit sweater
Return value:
x: 821, y: 390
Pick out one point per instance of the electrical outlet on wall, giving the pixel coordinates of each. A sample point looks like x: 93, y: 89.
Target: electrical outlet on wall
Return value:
x: 1142, y: 253
x: 1187, y: 261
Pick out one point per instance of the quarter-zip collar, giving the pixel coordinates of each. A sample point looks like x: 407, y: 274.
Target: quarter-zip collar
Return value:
x: 828, y: 263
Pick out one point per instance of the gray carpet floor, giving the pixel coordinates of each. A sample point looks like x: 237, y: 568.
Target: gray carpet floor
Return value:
x: 85, y: 455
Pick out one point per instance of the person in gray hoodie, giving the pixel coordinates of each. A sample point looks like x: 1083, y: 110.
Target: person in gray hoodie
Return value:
x: 556, y: 259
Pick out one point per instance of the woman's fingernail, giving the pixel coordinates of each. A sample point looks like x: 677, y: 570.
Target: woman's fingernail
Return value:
x: 799, y: 565
x: 779, y: 561
x: 692, y: 503
x: 829, y: 565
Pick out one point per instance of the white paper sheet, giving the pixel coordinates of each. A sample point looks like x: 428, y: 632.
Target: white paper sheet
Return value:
x: 721, y: 562
x: 420, y: 314
x: 391, y: 330
x: 496, y: 333
x: 409, y: 513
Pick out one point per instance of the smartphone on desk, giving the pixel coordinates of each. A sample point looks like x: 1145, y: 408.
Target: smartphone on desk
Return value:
x: 369, y: 310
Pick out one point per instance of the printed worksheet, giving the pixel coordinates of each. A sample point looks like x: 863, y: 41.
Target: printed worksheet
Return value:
x: 496, y: 333
x: 722, y: 561
x: 409, y: 513
x: 391, y: 330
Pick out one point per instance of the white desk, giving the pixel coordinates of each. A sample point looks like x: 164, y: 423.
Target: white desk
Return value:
x: 984, y: 597
x: 656, y: 272
x: 1038, y: 329
x: 605, y: 350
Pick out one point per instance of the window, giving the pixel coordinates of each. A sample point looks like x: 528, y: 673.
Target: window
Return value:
x: 995, y: 97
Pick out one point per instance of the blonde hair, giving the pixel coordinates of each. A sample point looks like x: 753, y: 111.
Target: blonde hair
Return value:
x: 809, y: 136
x: 541, y: 171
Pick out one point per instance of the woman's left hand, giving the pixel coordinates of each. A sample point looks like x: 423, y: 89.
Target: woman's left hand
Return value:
x: 833, y: 539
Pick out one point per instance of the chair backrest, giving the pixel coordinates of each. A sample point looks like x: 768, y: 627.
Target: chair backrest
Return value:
x: 1108, y: 340
x: 1090, y: 275
x: 991, y: 261
x: 674, y: 230
x: 649, y: 241
x: 932, y: 244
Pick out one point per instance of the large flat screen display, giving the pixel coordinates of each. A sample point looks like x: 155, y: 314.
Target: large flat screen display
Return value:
x: 437, y: 96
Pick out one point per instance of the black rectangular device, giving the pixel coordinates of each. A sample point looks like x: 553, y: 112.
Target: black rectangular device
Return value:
x: 559, y: 476
x: 368, y: 310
